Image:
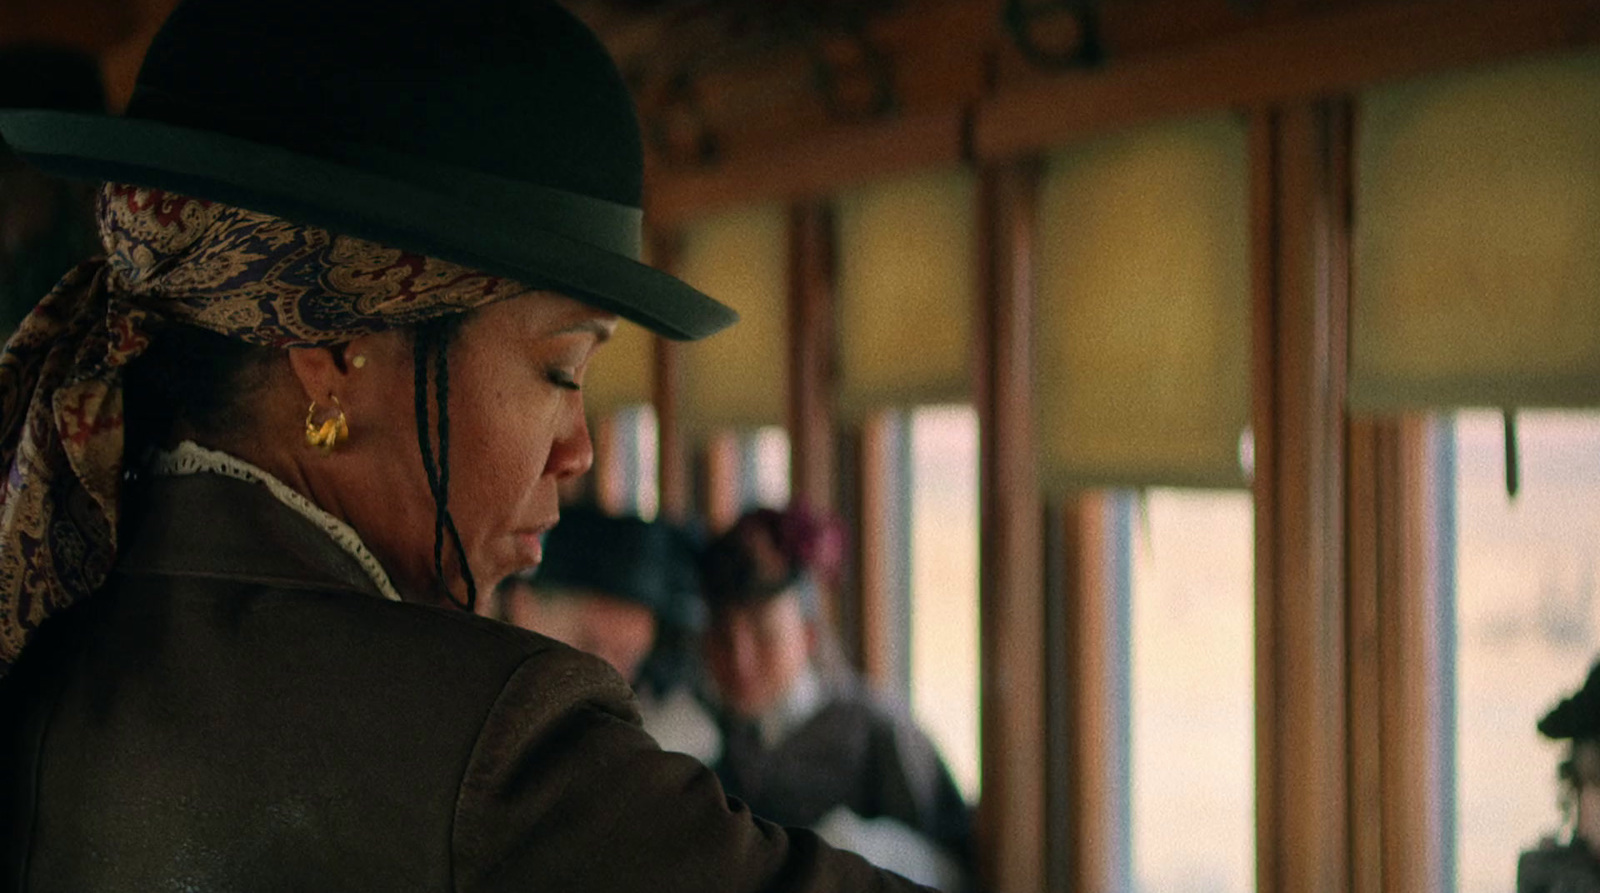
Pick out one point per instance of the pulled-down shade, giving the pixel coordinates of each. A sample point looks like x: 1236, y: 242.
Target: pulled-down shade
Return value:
x: 1142, y: 325
x: 1476, y: 267
x: 905, y: 293
x: 736, y: 379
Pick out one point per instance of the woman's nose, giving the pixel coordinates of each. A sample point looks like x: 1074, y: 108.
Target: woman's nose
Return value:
x: 572, y: 452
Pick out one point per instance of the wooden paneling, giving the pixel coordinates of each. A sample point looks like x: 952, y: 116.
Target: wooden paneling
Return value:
x: 116, y: 31
x: 120, y: 62
x: 820, y: 163
x: 1012, y: 812
x: 1314, y: 55
x: 1300, y: 174
x: 1164, y: 60
x: 89, y: 25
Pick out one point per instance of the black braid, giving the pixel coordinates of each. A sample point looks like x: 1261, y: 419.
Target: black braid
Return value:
x: 432, y: 343
x: 444, y: 520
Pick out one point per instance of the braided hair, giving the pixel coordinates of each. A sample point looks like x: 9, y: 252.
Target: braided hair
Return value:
x: 200, y: 378
x: 431, y: 353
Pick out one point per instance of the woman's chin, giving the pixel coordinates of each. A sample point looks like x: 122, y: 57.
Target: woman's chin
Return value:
x: 530, y: 550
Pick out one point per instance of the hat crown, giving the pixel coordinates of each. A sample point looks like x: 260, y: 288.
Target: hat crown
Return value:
x: 646, y: 562
x: 518, y: 89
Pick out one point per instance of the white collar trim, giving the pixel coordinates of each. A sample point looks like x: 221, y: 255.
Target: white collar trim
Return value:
x: 192, y: 458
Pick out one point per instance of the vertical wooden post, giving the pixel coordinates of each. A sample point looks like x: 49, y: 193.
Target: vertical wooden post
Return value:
x: 1011, y: 815
x: 1398, y: 829
x: 1093, y: 744
x: 719, y: 499
x: 1300, y: 263
x: 811, y: 379
x: 607, y: 486
x: 875, y: 569
x: 671, y: 453
x: 1364, y: 497
x: 1414, y: 825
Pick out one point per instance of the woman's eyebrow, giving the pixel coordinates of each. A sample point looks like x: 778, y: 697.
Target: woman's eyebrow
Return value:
x: 601, y: 329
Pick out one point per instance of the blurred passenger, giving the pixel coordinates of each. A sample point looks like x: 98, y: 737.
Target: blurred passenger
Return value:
x: 47, y: 223
x: 624, y: 590
x: 804, y: 742
x: 1572, y: 865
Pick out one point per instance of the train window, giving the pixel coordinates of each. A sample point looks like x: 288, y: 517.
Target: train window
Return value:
x: 635, y: 488
x: 764, y: 468
x: 743, y: 470
x: 1525, y: 572
x: 943, y: 479
x: 1192, y: 705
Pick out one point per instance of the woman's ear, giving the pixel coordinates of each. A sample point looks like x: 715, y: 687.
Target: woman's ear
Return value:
x: 317, y: 371
x: 325, y: 370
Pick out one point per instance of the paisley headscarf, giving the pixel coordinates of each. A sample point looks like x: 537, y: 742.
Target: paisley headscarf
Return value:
x: 169, y: 258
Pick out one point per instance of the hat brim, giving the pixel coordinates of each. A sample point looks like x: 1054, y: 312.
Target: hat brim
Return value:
x: 481, y: 234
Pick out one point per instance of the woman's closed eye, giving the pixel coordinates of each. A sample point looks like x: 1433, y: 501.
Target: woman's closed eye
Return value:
x: 562, y: 378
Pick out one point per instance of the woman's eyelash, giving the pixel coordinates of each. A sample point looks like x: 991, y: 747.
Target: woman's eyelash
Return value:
x: 562, y: 379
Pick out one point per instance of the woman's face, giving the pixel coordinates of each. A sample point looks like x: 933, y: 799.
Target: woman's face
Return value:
x: 517, y: 431
x: 756, y: 652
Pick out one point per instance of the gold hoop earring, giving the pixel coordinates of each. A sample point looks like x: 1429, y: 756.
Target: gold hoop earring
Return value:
x: 328, y: 435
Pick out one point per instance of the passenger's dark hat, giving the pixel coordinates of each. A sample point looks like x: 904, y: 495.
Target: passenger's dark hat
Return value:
x: 767, y: 552
x: 1578, y: 715
x: 650, y: 563
x: 496, y: 134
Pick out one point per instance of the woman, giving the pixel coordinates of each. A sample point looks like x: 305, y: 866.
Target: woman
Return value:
x: 231, y: 627
x: 803, y: 742
x: 1572, y: 866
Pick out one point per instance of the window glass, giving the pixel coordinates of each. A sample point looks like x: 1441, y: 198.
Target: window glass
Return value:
x: 1192, y: 692
x: 764, y: 468
x: 640, y: 443
x: 626, y: 464
x: 943, y: 478
x: 1525, y: 570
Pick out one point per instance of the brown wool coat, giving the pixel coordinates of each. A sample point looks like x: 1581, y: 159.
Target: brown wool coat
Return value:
x: 239, y: 711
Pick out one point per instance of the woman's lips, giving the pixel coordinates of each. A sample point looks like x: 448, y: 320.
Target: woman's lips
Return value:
x: 533, y: 542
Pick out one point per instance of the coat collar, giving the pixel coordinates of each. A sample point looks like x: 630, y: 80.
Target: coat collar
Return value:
x: 215, y: 526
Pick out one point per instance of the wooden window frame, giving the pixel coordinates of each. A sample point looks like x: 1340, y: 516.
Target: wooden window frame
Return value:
x: 1345, y: 649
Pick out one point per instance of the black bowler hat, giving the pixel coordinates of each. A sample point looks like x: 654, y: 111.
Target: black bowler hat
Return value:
x: 1578, y: 715
x: 650, y: 563
x: 496, y: 134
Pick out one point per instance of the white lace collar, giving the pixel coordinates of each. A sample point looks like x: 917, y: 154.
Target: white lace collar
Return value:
x: 192, y: 458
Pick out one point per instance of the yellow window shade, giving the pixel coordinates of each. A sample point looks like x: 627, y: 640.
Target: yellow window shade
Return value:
x: 737, y: 378
x: 622, y: 372
x: 1476, y: 267
x: 905, y: 292
x: 1142, y: 320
